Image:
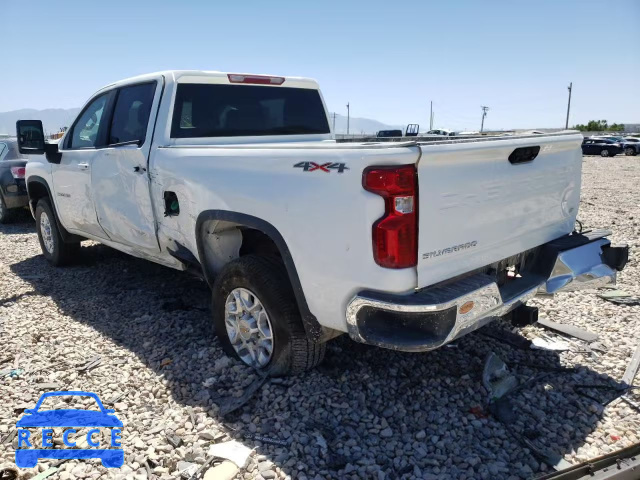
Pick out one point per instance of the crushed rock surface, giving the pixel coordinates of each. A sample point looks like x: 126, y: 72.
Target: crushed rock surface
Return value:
x: 364, y: 413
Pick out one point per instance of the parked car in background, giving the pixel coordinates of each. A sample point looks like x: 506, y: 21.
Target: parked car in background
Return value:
x: 600, y: 146
x: 389, y: 133
x: 631, y: 146
x: 445, y: 133
x: 13, y: 192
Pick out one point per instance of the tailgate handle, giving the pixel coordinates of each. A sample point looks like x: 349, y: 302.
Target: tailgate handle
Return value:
x: 524, y: 155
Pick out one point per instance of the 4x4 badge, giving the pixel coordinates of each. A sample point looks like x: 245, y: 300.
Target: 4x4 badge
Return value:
x: 325, y: 167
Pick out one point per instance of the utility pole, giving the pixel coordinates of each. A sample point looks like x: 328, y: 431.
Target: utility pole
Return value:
x: 347, y: 118
x: 566, y: 125
x: 431, y: 117
x: 484, y: 114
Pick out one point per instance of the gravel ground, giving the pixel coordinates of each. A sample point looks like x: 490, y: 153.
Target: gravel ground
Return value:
x: 364, y: 413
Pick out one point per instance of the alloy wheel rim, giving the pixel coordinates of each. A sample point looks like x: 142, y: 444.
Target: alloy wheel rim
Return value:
x: 45, y: 231
x: 604, y: 153
x: 248, y: 327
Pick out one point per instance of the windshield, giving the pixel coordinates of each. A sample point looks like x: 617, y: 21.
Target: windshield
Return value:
x: 243, y: 110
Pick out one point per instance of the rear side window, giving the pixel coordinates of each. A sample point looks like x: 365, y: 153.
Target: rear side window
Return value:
x: 131, y: 114
x: 243, y: 110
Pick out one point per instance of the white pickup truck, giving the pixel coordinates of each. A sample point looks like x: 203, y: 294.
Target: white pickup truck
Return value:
x: 238, y: 178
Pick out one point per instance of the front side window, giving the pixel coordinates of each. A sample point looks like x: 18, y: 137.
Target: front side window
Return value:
x: 131, y: 114
x: 205, y: 110
x: 85, y: 130
x: 3, y: 150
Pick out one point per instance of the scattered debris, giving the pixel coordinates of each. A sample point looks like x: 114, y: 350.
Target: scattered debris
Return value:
x: 632, y: 368
x: 89, y: 364
x: 165, y: 362
x: 202, y: 467
x: 570, y: 330
x: 11, y: 372
x: 555, y: 345
x: 550, y: 458
x: 174, y: 440
x: 269, y: 440
x: 117, y: 398
x: 48, y: 386
x: 187, y: 469
x: 231, y: 450
x: 9, y: 438
x: 496, y: 377
x: 619, y: 297
x: 227, y: 470
x: 231, y: 404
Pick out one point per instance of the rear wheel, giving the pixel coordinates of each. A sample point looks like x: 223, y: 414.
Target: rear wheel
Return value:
x: 6, y: 215
x: 604, y: 152
x: 630, y: 151
x: 256, y: 317
x: 54, y: 248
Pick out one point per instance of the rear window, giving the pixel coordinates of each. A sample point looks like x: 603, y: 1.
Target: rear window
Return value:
x: 243, y: 110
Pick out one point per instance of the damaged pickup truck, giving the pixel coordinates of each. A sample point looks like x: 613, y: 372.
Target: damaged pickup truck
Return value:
x: 237, y: 177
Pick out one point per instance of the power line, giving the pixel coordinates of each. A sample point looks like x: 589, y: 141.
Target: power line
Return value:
x: 484, y: 114
x: 566, y: 125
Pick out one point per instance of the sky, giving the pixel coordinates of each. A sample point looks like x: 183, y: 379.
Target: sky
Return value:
x: 387, y: 59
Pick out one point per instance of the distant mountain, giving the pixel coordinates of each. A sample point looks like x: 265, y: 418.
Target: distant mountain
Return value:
x: 360, y: 125
x: 55, y: 118
x: 52, y: 118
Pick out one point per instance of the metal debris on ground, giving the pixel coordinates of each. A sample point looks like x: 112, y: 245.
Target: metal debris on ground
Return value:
x: 89, y: 364
x: 552, y: 459
x: 231, y: 450
x: 231, y: 404
x: 48, y: 386
x: 496, y: 377
x: 9, y: 438
x: 619, y: 297
x: 174, y: 440
x: 187, y: 469
x: 632, y: 368
x: 11, y: 372
x: 554, y: 345
x: 570, y: 330
x: 47, y: 473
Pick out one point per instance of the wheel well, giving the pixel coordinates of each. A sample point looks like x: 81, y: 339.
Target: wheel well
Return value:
x: 36, y: 191
x: 257, y: 243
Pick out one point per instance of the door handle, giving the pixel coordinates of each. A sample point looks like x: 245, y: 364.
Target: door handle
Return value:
x: 83, y: 166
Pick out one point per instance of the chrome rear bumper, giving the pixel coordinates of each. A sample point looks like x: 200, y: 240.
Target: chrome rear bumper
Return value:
x: 429, y: 318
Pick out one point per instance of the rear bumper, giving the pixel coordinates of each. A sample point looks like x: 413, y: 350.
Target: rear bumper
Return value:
x: 431, y: 317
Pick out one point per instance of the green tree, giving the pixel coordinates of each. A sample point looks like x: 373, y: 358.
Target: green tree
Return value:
x: 600, y: 126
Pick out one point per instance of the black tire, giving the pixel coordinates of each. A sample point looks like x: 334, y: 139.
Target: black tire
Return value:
x: 604, y: 153
x: 630, y: 151
x: 6, y: 214
x: 267, y: 279
x: 61, y: 253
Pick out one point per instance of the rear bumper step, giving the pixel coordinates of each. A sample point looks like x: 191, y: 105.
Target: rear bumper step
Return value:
x: 431, y: 317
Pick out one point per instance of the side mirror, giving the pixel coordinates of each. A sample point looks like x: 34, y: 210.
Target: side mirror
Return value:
x: 30, y: 137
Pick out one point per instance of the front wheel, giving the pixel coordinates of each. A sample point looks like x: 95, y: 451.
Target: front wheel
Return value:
x: 604, y: 153
x: 257, y: 320
x: 630, y: 151
x: 54, y: 248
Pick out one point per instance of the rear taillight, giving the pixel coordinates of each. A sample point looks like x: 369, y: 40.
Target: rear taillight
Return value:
x: 395, y: 235
x: 256, y: 79
x: 17, y: 172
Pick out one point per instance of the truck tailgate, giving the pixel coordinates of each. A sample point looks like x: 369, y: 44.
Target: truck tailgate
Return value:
x: 477, y: 207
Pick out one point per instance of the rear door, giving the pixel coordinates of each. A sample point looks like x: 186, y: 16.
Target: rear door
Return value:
x: 119, y: 175
x: 484, y: 201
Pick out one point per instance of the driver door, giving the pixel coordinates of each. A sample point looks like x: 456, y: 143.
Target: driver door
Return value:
x: 72, y: 176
